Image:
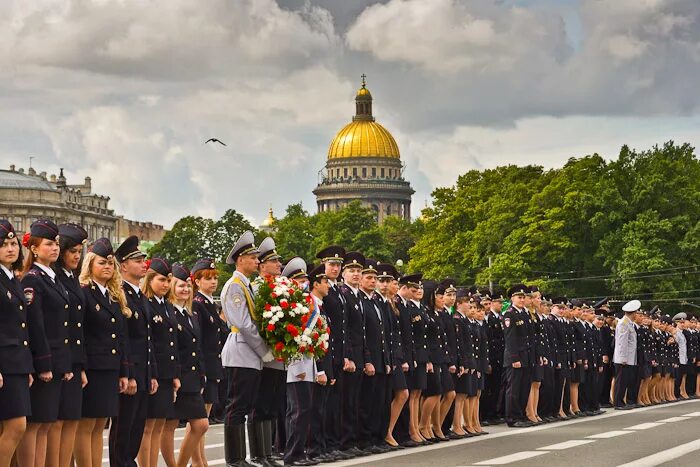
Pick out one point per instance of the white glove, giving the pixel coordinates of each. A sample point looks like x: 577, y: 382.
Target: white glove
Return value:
x: 268, y: 357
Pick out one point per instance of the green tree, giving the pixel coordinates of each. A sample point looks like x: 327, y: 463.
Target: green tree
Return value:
x: 294, y: 234
x: 185, y: 242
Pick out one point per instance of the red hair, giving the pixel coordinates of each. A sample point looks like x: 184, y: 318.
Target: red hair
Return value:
x: 203, y: 274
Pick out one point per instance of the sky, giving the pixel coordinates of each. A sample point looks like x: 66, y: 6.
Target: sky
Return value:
x: 128, y: 91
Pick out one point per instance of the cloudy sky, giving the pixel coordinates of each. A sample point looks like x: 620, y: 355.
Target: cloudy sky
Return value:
x: 127, y: 91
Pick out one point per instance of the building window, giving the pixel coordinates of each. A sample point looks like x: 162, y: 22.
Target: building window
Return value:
x: 345, y: 172
x: 382, y: 172
x: 374, y: 172
x: 388, y: 209
x: 337, y: 173
x: 354, y: 171
x: 364, y: 172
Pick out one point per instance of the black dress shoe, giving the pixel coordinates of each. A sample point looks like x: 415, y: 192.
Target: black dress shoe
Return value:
x: 357, y: 452
x: 301, y: 462
x: 409, y: 444
x: 498, y: 421
x: 522, y: 424
x: 341, y: 455
x: 486, y: 422
x: 443, y: 439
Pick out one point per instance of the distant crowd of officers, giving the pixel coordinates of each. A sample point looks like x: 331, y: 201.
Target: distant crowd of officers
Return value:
x: 96, y: 335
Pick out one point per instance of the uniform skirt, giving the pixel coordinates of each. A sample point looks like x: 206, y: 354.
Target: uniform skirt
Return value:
x: 446, y: 379
x: 211, y: 392
x: 645, y: 371
x: 15, y: 400
x: 417, y: 378
x: 460, y: 383
x: 161, y: 404
x: 471, y: 383
x: 538, y: 374
x: 577, y: 374
x: 481, y: 380
x: 189, y: 406
x: 71, y: 405
x: 45, y: 398
x: 433, y: 386
x: 398, y: 379
x: 101, y: 395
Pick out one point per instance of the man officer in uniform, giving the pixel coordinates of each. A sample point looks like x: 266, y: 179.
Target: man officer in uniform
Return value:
x: 625, y: 355
x: 128, y: 426
x: 515, y: 357
x: 244, y: 352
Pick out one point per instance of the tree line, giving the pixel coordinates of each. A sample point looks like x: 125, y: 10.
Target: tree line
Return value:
x: 625, y: 228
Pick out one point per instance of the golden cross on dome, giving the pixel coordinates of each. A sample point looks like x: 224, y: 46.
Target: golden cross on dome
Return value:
x: 363, y: 79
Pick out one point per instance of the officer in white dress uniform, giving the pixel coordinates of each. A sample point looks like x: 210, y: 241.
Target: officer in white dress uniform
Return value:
x: 625, y: 354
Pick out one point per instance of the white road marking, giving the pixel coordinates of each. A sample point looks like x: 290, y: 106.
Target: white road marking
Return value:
x: 609, y: 434
x: 206, y: 446
x: 692, y: 414
x: 518, y: 456
x: 665, y: 456
x: 673, y: 419
x: 644, y: 426
x: 566, y: 445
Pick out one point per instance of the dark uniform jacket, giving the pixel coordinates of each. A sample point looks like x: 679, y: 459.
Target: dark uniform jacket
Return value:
x: 191, y: 357
x: 420, y: 333
x: 467, y: 355
x: 437, y: 340
x: 451, y: 341
x: 334, y: 310
x: 141, y: 359
x: 481, y: 347
x: 516, y: 337
x: 494, y: 326
x: 207, y: 314
x: 354, y: 348
x: 377, y: 350
x: 392, y: 334
x: 581, y: 342
x: 106, y: 335
x: 405, y: 330
x: 15, y: 354
x: 164, y: 338
x: 76, y: 318
x: 47, y: 319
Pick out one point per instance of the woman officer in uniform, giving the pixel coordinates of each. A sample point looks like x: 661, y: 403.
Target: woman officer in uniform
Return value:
x: 106, y: 349
x: 72, y: 237
x: 205, y: 280
x: 47, y: 321
x: 15, y: 356
x: 161, y: 405
x: 190, y: 403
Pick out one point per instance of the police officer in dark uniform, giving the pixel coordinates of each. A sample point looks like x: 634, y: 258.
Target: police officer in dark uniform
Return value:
x: 493, y: 385
x: 161, y: 404
x: 72, y: 238
x: 49, y: 337
x: 16, y: 366
x: 334, y: 310
x: 106, y: 347
x: 376, y: 368
x: 353, y: 264
x: 515, y: 357
x: 127, y: 428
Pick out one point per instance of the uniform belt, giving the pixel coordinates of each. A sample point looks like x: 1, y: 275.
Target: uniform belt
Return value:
x: 234, y: 329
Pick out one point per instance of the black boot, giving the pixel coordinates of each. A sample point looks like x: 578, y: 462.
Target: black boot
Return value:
x: 256, y: 439
x: 234, y: 446
x: 267, y: 444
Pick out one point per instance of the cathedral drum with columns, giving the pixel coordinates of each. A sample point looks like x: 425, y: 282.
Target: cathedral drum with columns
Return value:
x: 364, y: 164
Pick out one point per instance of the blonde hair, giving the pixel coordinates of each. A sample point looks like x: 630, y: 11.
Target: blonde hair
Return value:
x: 172, y: 298
x: 114, y: 285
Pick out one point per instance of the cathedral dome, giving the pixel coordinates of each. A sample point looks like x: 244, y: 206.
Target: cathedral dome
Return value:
x: 363, y: 137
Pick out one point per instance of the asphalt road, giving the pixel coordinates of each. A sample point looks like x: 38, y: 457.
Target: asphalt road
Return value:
x: 666, y: 435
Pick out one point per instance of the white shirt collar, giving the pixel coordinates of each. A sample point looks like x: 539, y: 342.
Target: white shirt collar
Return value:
x: 49, y: 272
x: 135, y: 287
x: 7, y: 272
x: 416, y: 303
x: 103, y: 289
x: 353, y: 289
x: 179, y: 308
x: 159, y: 299
x: 67, y: 272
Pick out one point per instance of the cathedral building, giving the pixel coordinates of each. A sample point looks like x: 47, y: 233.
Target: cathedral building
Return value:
x: 364, y: 164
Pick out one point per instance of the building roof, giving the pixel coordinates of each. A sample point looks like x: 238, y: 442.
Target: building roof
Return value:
x: 9, y: 179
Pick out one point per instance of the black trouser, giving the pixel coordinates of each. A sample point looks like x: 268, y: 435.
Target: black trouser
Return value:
x: 126, y: 430
x: 349, y: 409
x: 633, y: 389
x: 605, y: 384
x: 545, y: 407
x: 517, y: 392
x: 243, y: 385
x: 318, y: 443
x: 624, y: 378
x: 488, y: 404
x: 332, y: 414
x: 298, y: 420
x: 372, y: 406
x: 585, y: 392
x: 266, y: 406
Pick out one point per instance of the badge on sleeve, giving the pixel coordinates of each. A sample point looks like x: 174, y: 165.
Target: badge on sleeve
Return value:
x: 507, y: 322
x: 29, y: 295
x: 9, y: 295
x: 237, y: 299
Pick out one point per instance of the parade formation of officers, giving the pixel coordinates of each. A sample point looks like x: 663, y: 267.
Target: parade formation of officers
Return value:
x: 106, y: 335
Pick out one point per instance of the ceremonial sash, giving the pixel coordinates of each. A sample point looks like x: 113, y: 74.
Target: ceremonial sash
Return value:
x: 248, y: 299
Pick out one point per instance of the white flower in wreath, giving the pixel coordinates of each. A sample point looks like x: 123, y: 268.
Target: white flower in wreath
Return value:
x: 267, y: 314
x: 307, y: 332
x: 297, y: 339
x: 279, y: 314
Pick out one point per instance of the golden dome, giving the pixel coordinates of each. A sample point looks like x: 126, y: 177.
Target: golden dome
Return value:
x: 363, y: 138
x: 270, y: 218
